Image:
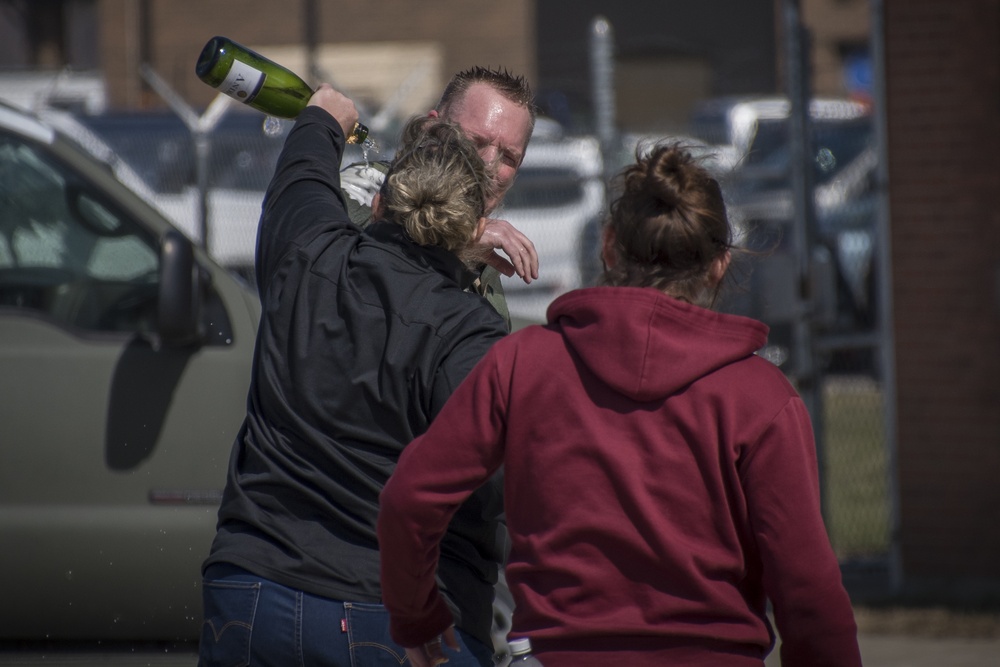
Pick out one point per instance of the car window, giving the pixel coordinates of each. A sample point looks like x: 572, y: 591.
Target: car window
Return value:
x: 65, y: 253
x: 835, y: 144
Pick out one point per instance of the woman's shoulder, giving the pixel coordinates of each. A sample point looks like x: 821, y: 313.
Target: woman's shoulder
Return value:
x: 753, y: 386
x: 535, y: 344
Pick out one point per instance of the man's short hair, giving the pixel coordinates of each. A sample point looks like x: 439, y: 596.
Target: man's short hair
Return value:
x: 514, y: 87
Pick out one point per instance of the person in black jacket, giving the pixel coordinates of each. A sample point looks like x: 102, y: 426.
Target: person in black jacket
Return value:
x: 363, y: 336
x: 495, y: 108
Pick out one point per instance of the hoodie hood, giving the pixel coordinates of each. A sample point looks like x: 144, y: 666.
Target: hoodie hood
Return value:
x: 647, y: 345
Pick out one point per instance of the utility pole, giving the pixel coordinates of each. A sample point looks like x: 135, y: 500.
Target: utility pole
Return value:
x: 200, y: 128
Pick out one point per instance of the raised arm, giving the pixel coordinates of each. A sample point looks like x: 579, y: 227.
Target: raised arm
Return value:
x: 304, y: 196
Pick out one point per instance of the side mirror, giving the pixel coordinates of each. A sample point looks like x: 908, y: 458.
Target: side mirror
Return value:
x: 180, y: 302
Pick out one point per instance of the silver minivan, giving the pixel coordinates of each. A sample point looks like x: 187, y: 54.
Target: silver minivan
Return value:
x: 125, y: 359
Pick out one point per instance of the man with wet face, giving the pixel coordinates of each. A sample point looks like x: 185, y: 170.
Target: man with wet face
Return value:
x: 496, y: 110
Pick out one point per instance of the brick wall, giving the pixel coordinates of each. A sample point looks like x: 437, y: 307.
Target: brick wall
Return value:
x: 943, y: 106
x: 472, y: 32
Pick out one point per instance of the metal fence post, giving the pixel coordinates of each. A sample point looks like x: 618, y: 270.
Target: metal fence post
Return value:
x: 887, y: 344
x: 200, y: 128
x: 603, y: 87
x: 803, y: 220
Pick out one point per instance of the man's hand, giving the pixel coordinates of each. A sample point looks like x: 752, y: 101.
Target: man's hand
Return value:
x: 337, y: 105
x: 431, y: 653
x: 501, y: 235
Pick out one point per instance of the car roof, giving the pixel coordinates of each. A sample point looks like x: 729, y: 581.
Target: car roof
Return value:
x: 25, y: 123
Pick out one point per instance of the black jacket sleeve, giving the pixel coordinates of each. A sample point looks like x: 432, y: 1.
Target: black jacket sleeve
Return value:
x: 304, y: 196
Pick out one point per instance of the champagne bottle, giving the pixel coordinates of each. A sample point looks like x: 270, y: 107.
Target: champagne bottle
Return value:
x: 259, y: 82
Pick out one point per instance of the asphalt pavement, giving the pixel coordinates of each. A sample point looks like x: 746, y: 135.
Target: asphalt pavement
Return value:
x: 877, y: 650
x: 908, y: 651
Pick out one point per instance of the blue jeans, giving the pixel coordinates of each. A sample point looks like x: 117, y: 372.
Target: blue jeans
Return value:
x: 251, y: 620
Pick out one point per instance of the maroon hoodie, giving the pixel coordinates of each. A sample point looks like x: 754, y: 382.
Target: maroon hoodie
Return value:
x: 660, y: 486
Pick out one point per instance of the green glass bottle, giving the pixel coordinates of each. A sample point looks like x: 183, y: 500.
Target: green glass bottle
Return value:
x: 259, y: 82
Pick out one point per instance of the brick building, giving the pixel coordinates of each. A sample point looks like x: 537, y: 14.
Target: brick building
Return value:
x: 943, y: 116
x: 368, y: 48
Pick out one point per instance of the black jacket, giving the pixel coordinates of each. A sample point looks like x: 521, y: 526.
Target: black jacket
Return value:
x: 363, y: 336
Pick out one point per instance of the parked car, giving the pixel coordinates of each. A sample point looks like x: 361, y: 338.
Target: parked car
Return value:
x: 752, y: 128
x: 125, y: 357
x: 760, y: 202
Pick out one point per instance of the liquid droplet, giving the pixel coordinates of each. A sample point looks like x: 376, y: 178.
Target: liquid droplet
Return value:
x: 368, y: 145
x: 272, y: 126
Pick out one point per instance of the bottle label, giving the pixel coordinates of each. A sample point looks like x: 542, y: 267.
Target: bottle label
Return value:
x: 243, y: 82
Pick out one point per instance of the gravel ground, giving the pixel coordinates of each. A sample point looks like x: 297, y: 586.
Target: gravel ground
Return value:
x: 897, y: 636
x: 930, y: 622
x: 890, y: 636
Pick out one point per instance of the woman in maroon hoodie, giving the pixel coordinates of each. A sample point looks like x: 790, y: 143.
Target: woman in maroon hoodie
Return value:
x: 661, y: 479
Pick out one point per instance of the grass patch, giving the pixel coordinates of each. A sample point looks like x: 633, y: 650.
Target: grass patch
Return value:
x: 855, y: 467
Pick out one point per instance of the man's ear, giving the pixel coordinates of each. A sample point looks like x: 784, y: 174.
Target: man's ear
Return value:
x: 608, y: 254
x: 377, y: 206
